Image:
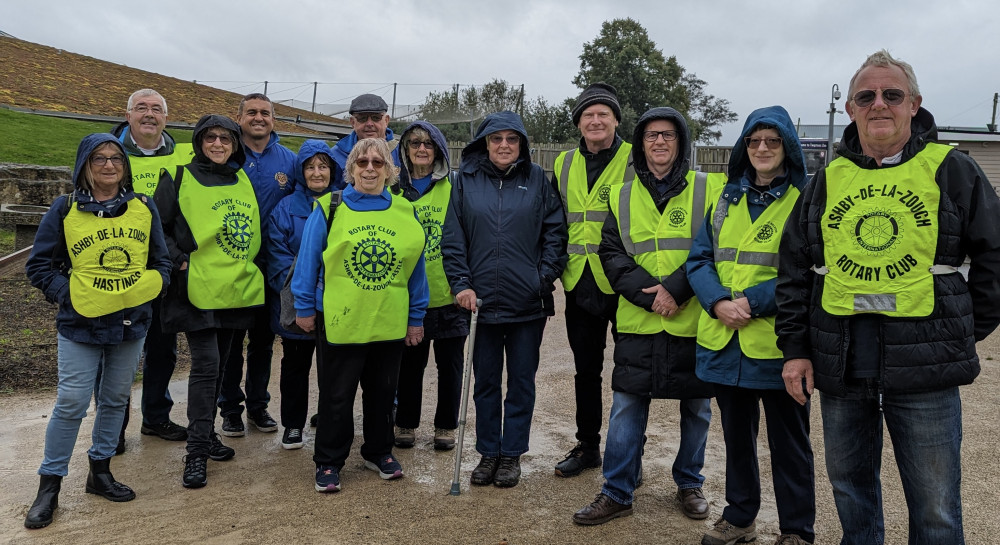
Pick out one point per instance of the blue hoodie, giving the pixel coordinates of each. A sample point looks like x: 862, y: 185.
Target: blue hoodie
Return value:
x: 284, y: 228
x: 730, y: 366
x: 49, y: 265
x: 505, y: 232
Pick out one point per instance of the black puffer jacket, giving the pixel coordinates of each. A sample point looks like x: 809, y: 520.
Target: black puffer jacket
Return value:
x: 916, y: 354
x: 660, y: 365
x: 176, y: 312
x: 505, y: 233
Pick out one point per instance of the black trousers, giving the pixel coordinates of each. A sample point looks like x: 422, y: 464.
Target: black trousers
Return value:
x: 258, y: 375
x: 791, y: 457
x: 448, y: 356
x: 587, y: 335
x: 209, y: 348
x: 375, y: 366
x: 296, y: 361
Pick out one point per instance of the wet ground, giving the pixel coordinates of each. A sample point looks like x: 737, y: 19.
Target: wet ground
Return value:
x: 265, y: 494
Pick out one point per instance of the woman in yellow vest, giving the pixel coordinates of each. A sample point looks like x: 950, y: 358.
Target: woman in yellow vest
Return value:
x: 362, y: 287
x: 100, y: 255
x: 425, y: 181
x: 213, y: 229
x: 732, y: 269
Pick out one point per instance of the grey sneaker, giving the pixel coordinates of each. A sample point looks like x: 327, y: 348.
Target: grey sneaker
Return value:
x: 725, y: 533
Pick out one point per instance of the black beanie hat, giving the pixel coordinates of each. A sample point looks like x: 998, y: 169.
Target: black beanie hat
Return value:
x: 597, y: 93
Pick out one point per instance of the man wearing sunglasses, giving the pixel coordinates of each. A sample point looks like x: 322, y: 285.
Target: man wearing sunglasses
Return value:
x: 873, y: 310
x: 369, y: 120
x: 585, y: 178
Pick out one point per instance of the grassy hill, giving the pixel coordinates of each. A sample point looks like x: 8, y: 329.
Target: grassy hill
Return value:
x: 41, y: 77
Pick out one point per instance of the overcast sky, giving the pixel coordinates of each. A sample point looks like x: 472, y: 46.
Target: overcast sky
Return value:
x: 752, y: 53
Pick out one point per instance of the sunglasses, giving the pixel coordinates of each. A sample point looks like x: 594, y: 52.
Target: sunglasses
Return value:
x: 754, y: 143
x: 225, y: 139
x: 365, y: 118
x: 417, y: 144
x: 651, y: 136
x: 363, y: 163
x: 891, y: 97
x: 511, y: 139
x: 100, y: 160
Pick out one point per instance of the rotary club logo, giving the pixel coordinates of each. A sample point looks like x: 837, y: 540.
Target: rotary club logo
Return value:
x: 114, y: 259
x: 281, y: 178
x: 765, y: 233
x: 604, y: 193
x: 237, y: 231
x: 677, y: 216
x: 373, y: 264
x: 877, y: 231
x: 433, y: 234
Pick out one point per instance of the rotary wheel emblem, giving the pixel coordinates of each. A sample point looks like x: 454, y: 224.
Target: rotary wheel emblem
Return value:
x: 876, y: 231
x: 238, y: 230
x: 765, y: 233
x: 677, y: 216
x: 603, y: 193
x: 373, y: 259
x: 115, y: 259
x: 432, y: 232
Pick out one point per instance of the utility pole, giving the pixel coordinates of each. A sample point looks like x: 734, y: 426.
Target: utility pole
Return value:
x: 834, y: 96
x: 393, y: 115
x: 265, y: 87
x: 993, y: 125
x: 315, y: 85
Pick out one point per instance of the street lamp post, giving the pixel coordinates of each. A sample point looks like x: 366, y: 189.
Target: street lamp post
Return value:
x: 834, y: 96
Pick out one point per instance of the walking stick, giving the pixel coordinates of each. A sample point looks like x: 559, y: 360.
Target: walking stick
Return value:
x: 466, y: 379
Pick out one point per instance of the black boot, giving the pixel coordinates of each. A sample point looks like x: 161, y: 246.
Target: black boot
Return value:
x: 40, y: 514
x: 100, y: 481
x: 121, y: 436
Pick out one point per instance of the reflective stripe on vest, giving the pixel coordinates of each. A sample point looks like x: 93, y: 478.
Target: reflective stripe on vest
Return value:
x: 146, y: 168
x: 226, y: 227
x: 754, y: 260
x: 367, y: 263
x: 586, y: 211
x: 660, y: 243
x: 109, y: 257
x: 432, y: 207
x: 880, y: 232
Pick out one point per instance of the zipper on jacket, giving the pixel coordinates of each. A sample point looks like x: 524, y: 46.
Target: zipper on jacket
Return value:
x: 496, y: 293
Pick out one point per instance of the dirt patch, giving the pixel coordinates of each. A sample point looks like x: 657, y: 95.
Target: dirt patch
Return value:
x: 27, y: 337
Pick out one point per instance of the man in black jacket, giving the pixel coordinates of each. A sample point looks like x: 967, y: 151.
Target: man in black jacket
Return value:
x: 872, y: 306
x: 644, y: 245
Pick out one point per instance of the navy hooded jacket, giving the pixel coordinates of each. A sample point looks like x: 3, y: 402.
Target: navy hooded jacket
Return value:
x: 48, y: 266
x: 505, y: 233
x: 730, y: 366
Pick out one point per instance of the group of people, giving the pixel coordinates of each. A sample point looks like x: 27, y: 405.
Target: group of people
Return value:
x: 750, y: 286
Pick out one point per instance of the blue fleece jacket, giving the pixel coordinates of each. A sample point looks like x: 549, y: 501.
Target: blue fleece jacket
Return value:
x: 730, y: 365
x: 307, y: 282
x: 49, y: 265
x: 272, y: 173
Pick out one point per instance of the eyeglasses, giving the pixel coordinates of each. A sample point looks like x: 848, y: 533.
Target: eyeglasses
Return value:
x: 142, y: 108
x: 100, y: 160
x: 770, y: 142
x: 651, y: 136
x: 417, y: 144
x: 365, y: 118
x: 363, y: 162
x: 511, y: 139
x: 891, y: 97
x: 224, y: 139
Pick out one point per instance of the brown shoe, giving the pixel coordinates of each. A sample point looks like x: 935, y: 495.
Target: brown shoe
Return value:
x: 601, y: 510
x: 693, y: 503
x: 791, y: 539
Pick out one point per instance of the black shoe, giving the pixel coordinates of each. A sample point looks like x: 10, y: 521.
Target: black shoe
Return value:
x: 219, y: 452
x: 40, y: 514
x: 601, y: 510
x: 486, y: 471
x: 583, y: 456
x: 313, y: 419
x: 232, y: 425
x: 195, y: 471
x: 509, y: 472
x: 291, y: 439
x: 262, y: 420
x: 165, y: 430
x: 100, y: 481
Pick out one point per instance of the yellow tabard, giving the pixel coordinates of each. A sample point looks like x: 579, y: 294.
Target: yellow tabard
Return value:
x: 226, y: 228
x: 146, y: 168
x: 109, y: 257
x: 880, y: 231
x: 367, y: 262
x: 431, y: 210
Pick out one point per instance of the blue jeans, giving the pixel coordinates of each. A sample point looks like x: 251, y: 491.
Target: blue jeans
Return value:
x: 504, y: 424
x: 624, y: 447
x: 78, y: 368
x: 926, y: 433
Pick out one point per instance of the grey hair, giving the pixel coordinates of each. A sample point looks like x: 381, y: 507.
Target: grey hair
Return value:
x: 142, y: 93
x: 362, y: 148
x: 884, y: 59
